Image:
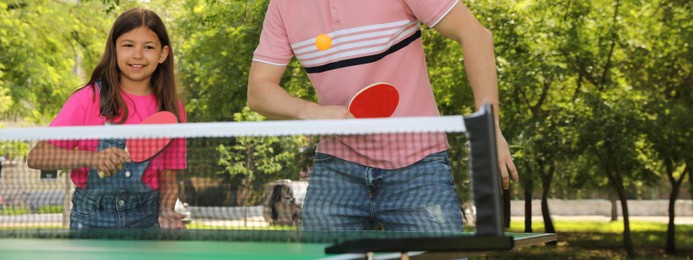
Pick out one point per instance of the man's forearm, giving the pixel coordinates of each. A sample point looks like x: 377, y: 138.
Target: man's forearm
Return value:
x: 480, y: 65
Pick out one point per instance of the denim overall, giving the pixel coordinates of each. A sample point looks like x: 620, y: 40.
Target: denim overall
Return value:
x: 121, y: 200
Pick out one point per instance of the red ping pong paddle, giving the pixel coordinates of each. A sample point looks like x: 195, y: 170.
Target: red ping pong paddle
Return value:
x: 376, y: 100
x: 143, y: 149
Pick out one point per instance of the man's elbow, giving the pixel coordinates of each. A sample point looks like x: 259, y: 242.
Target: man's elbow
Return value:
x: 253, y: 105
x: 252, y: 96
x: 477, y: 36
x: 486, y: 35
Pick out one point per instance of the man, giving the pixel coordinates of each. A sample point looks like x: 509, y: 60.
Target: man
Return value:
x: 353, y: 185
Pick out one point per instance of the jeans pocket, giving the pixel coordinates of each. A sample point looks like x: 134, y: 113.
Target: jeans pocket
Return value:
x: 85, y: 206
x: 149, y: 204
x: 441, y: 157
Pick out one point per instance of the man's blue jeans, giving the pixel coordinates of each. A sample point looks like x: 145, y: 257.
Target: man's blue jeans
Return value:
x: 343, y: 195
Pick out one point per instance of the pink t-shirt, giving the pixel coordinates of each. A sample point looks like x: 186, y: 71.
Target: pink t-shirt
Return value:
x: 82, y: 109
x: 372, y: 41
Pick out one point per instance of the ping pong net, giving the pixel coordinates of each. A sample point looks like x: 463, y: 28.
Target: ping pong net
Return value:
x: 238, y: 180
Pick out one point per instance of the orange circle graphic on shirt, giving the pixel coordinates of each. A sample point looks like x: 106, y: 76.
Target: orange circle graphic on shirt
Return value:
x: 323, y: 42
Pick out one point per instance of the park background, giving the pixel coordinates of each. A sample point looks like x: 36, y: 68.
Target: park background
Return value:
x: 596, y: 99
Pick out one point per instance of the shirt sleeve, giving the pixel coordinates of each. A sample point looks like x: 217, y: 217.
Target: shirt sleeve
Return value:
x: 274, y: 46
x: 73, y: 113
x: 430, y: 12
x: 175, y: 155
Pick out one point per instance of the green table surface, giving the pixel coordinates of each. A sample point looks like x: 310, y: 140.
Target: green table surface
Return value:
x: 93, y: 249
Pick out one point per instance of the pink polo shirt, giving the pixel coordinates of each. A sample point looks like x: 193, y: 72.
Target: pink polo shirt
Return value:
x: 372, y: 41
x: 82, y: 109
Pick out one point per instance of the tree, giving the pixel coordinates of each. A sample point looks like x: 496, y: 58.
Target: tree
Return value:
x: 608, y: 119
x: 216, y: 43
x: 616, y: 147
x: 661, y: 65
x: 44, y: 44
x: 258, y: 160
x: 535, y: 77
x: 45, y: 47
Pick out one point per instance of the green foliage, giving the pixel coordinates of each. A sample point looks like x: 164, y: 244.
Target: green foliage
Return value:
x: 616, y: 148
x: 5, y: 99
x: 216, y: 40
x: 258, y: 160
x: 214, y: 59
x: 251, y: 155
x: 42, y: 43
x: 13, y: 149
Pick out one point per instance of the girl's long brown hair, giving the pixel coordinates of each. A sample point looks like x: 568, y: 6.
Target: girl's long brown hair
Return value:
x: 162, y: 81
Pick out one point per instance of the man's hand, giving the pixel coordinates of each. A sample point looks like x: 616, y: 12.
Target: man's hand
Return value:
x: 505, y: 161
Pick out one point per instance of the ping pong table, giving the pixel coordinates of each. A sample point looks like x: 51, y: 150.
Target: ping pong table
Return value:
x: 488, y: 236
x: 77, y: 249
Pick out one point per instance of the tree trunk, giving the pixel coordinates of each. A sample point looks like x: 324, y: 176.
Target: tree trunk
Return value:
x: 528, y: 187
x: 614, y: 206
x: 548, y: 223
x: 528, y: 208
x: 243, y: 193
x: 546, y: 187
x: 690, y: 177
x: 671, y: 227
x: 627, y: 237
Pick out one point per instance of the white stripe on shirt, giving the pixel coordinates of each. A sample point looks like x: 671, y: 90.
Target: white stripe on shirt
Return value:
x: 338, y: 53
x: 338, y: 33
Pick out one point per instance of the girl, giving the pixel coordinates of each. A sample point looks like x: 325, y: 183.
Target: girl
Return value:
x: 133, y: 80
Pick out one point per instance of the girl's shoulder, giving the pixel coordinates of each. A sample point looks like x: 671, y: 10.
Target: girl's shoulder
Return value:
x: 82, y: 108
x: 88, y: 93
x: 86, y: 98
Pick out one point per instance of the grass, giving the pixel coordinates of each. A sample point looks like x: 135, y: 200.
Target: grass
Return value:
x: 199, y: 225
x: 14, y: 211
x: 30, y: 227
x: 26, y: 210
x: 599, y: 240
x: 50, y: 209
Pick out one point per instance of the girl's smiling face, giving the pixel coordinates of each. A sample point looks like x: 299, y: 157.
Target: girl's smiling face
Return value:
x: 139, y: 52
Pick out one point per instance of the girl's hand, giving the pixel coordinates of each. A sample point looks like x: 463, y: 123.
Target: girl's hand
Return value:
x: 109, y: 161
x: 170, y: 219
